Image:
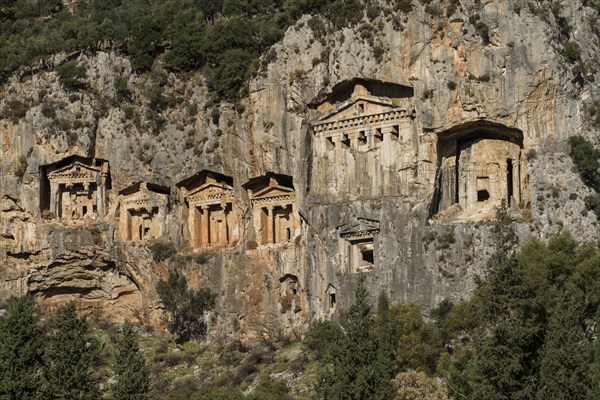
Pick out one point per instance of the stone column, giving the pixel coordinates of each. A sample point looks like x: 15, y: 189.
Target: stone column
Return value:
x: 337, y: 141
x: 54, y: 193
x: 192, y: 225
x: 295, y: 220
x: 270, y: 222
x: 204, y: 228
x: 224, y: 225
x: 353, y: 137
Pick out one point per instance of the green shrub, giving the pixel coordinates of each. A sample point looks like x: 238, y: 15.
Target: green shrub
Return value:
x: 162, y: 251
x: 484, y: 32
x: 184, y: 306
x: 592, y: 203
x: 572, y: 52
x: 585, y: 157
x: 15, y: 110
x: 20, y: 167
x: 321, y: 336
x: 122, y: 88
x: 404, y: 6
x: 71, y: 75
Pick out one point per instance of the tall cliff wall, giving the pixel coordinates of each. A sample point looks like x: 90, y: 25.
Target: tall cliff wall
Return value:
x: 465, y: 90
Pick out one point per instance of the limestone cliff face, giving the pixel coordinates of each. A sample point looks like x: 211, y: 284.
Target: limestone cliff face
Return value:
x: 403, y: 197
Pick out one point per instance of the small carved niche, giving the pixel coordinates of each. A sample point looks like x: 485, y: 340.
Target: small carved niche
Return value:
x: 289, y: 294
x: 331, y: 298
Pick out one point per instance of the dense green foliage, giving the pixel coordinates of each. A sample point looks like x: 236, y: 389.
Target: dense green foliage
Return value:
x: 526, y: 333
x: 70, y: 353
x: 184, y: 306
x: 533, y: 309
x: 586, y: 156
x: 21, y: 350
x: 223, y: 37
x: 357, y: 355
x: 132, y: 373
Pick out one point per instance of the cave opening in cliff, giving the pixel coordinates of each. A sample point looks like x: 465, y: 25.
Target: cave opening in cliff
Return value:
x: 331, y: 300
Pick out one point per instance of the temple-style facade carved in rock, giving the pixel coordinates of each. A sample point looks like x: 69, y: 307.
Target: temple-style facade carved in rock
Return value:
x: 365, y: 132
x: 143, y: 208
x: 74, y: 188
x: 479, y: 165
x: 274, y: 215
x: 210, y: 213
x: 358, y: 244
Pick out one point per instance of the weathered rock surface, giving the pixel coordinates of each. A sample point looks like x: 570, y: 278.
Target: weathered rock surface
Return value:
x: 519, y: 81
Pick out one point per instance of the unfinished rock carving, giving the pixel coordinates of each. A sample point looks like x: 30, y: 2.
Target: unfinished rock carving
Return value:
x: 143, y: 209
x: 480, y: 164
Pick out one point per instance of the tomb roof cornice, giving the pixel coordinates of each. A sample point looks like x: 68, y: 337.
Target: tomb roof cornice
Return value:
x: 390, y: 117
x: 384, y: 101
x: 275, y: 200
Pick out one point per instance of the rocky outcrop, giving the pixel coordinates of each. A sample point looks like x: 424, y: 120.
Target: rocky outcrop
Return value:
x: 368, y: 121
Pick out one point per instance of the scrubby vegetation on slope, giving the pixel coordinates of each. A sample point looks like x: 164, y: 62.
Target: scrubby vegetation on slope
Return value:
x: 224, y: 38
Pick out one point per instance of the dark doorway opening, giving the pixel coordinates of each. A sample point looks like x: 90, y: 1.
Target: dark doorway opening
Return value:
x: 509, y: 180
x: 482, y: 195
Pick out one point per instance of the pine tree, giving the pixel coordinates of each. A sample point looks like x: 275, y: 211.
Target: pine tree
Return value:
x: 595, y: 395
x: 350, y: 375
x: 21, y: 350
x: 384, y: 368
x: 511, y: 324
x: 565, y: 356
x: 69, y: 358
x: 360, y: 350
x: 132, y: 373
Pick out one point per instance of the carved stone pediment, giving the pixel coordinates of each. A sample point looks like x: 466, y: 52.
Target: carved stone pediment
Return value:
x: 210, y: 192
x: 362, y: 228
x: 274, y: 193
x: 76, y: 172
x: 358, y: 106
x: 143, y: 195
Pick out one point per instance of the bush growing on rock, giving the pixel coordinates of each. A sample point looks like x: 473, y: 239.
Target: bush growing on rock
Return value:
x: 71, y: 75
x: 162, y: 251
x: 185, y: 307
